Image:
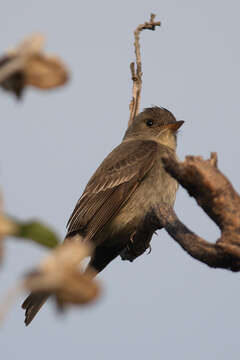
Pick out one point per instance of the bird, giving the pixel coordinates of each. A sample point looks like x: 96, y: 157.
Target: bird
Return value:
x: 122, y: 191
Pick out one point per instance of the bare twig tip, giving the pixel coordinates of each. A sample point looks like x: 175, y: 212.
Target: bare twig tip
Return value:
x: 214, y: 159
x: 137, y: 73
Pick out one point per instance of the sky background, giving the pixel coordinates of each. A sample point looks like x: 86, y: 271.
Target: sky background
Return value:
x: 165, y: 305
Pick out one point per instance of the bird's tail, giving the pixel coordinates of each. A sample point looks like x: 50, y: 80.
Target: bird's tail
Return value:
x: 33, y: 304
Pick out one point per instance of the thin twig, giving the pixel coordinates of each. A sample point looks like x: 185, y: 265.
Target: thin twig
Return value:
x: 137, y: 73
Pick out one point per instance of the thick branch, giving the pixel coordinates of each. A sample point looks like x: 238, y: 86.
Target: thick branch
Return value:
x: 211, y: 189
x: 163, y: 216
x: 216, y: 195
x: 213, y: 255
x: 137, y: 73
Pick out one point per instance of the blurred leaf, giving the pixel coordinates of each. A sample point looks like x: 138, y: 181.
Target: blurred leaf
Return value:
x: 11, y: 78
x: 7, y: 227
x: 37, y: 232
x: 61, y: 274
x: 44, y: 72
x: 27, y: 64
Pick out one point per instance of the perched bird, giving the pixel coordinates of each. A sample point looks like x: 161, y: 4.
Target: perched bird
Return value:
x: 122, y: 191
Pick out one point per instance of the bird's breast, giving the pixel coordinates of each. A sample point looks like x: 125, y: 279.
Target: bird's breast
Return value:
x: 157, y: 186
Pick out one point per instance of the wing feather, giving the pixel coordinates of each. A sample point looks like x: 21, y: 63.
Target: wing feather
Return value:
x: 111, y: 186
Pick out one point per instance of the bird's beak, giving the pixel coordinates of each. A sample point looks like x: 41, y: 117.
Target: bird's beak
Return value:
x: 174, y: 126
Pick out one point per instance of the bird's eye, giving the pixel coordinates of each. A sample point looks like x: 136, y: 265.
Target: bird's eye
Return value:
x: 149, y: 122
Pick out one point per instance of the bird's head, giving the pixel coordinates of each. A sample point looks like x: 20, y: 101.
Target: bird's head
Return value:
x: 156, y: 124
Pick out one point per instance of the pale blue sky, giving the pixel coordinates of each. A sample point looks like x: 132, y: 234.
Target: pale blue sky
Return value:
x: 165, y: 305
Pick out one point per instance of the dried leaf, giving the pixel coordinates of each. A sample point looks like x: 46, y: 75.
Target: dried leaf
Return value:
x: 28, y: 65
x: 61, y: 274
x: 11, y: 76
x: 32, y: 44
x: 45, y: 72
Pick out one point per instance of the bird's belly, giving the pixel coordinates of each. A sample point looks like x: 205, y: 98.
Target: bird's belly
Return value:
x: 156, y: 188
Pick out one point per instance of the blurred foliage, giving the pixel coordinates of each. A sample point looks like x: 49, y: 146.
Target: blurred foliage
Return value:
x: 37, y: 232
x: 28, y: 65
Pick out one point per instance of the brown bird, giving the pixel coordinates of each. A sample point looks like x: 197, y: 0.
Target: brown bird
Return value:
x: 122, y: 191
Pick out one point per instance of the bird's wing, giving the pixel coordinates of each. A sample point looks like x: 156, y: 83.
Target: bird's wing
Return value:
x: 111, y: 186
